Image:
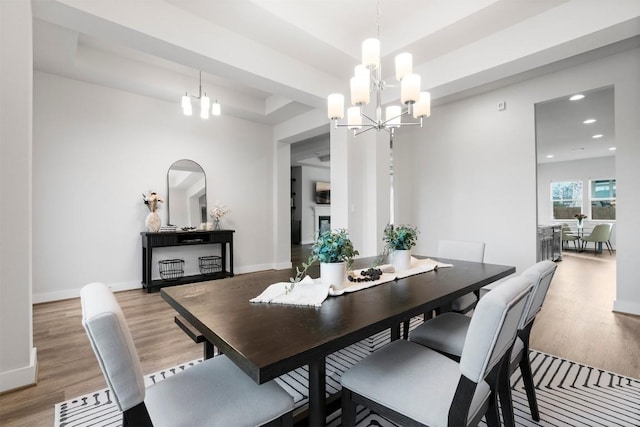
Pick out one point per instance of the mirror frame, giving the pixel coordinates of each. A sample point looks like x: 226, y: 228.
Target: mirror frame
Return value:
x: 177, y: 162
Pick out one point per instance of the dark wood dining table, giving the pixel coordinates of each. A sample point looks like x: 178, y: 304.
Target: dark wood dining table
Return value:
x: 269, y: 340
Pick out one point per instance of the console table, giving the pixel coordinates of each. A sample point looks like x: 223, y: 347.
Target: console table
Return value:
x: 187, y: 238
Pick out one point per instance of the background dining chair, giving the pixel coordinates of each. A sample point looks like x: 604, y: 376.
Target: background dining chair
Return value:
x: 568, y: 236
x: 447, y: 334
x: 601, y: 234
x: 435, y: 390
x: 212, y: 393
x: 464, y: 251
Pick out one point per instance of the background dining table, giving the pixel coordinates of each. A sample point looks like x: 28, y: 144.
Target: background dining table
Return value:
x: 268, y: 340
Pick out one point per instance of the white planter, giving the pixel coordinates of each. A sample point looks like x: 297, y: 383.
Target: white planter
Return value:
x: 334, y: 274
x: 401, y: 259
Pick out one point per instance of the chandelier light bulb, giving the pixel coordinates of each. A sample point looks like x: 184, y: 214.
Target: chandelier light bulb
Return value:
x: 422, y: 108
x: 404, y: 65
x: 410, y: 89
x: 363, y: 72
x: 186, y: 106
x: 359, y: 90
x: 205, y: 105
x: 371, y: 53
x: 354, y: 118
x: 185, y: 101
x: 335, y: 106
x: 393, y: 116
x: 215, y: 108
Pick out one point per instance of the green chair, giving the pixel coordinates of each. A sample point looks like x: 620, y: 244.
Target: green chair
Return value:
x: 568, y: 236
x: 601, y: 234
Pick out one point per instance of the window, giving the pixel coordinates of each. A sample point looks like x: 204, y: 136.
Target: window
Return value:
x: 603, y: 199
x: 566, y: 198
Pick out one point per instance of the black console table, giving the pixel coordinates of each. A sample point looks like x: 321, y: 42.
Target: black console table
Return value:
x: 187, y: 238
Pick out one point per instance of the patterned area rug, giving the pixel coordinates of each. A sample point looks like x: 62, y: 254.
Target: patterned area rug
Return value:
x: 569, y: 393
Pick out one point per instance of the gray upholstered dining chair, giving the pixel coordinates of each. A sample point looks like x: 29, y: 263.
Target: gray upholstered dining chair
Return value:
x: 568, y: 236
x: 212, y: 393
x: 601, y: 233
x: 415, y: 385
x: 464, y: 251
x: 447, y: 334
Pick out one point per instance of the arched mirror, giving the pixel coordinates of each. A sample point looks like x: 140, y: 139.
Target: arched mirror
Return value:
x: 187, y: 194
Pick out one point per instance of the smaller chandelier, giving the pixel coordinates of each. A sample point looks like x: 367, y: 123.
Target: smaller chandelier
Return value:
x: 206, y: 105
x: 367, y: 79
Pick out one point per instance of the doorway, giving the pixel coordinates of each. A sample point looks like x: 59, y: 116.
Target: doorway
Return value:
x: 576, y: 176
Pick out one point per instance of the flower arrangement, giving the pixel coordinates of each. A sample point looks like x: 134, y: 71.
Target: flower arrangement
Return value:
x: 219, y: 211
x: 580, y: 217
x: 151, y: 199
x: 401, y: 237
x: 329, y: 247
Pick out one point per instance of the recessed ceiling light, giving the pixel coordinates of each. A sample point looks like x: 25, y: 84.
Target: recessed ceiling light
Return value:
x: 549, y: 156
x: 612, y: 148
x: 576, y: 97
x: 597, y: 136
x: 589, y: 121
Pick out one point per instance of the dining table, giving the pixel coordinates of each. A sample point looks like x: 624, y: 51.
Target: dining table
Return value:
x: 267, y: 340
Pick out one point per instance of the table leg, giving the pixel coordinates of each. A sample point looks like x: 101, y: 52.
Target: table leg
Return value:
x: 317, y: 392
x: 395, y: 333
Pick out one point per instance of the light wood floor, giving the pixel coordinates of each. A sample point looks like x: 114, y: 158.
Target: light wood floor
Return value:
x: 576, y: 322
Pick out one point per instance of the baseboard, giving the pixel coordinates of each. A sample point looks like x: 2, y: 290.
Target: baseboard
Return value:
x: 261, y: 267
x: 626, y: 307
x: 135, y: 284
x: 283, y: 266
x: 21, y: 377
x: 75, y: 293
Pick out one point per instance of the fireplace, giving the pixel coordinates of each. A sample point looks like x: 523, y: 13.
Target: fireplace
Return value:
x: 324, y: 223
x: 322, y: 219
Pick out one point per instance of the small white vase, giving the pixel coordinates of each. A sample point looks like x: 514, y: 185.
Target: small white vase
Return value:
x: 334, y: 274
x: 152, y: 222
x: 401, y: 259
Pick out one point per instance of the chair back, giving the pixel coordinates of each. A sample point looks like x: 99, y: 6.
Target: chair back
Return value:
x: 540, y: 274
x: 493, y: 327
x: 567, y: 234
x: 462, y: 250
x: 113, y: 345
x: 610, y: 231
x: 600, y: 233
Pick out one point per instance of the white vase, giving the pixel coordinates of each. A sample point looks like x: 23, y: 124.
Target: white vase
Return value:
x: 152, y: 222
x: 334, y: 274
x: 401, y: 259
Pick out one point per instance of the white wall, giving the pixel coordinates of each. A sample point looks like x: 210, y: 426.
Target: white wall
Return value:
x: 308, y: 177
x: 580, y: 170
x: 97, y: 149
x: 474, y: 168
x: 472, y: 177
x: 18, y: 357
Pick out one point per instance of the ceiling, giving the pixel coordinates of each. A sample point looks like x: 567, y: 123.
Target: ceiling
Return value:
x: 275, y: 61
x: 562, y: 133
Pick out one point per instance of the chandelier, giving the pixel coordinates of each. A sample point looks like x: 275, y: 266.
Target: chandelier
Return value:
x: 206, y: 105
x: 367, y: 80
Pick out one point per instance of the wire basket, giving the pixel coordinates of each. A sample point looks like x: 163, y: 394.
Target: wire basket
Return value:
x: 171, y: 269
x: 210, y: 264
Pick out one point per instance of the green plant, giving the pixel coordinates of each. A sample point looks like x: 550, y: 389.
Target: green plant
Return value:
x: 329, y: 247
x: 401, y: 237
